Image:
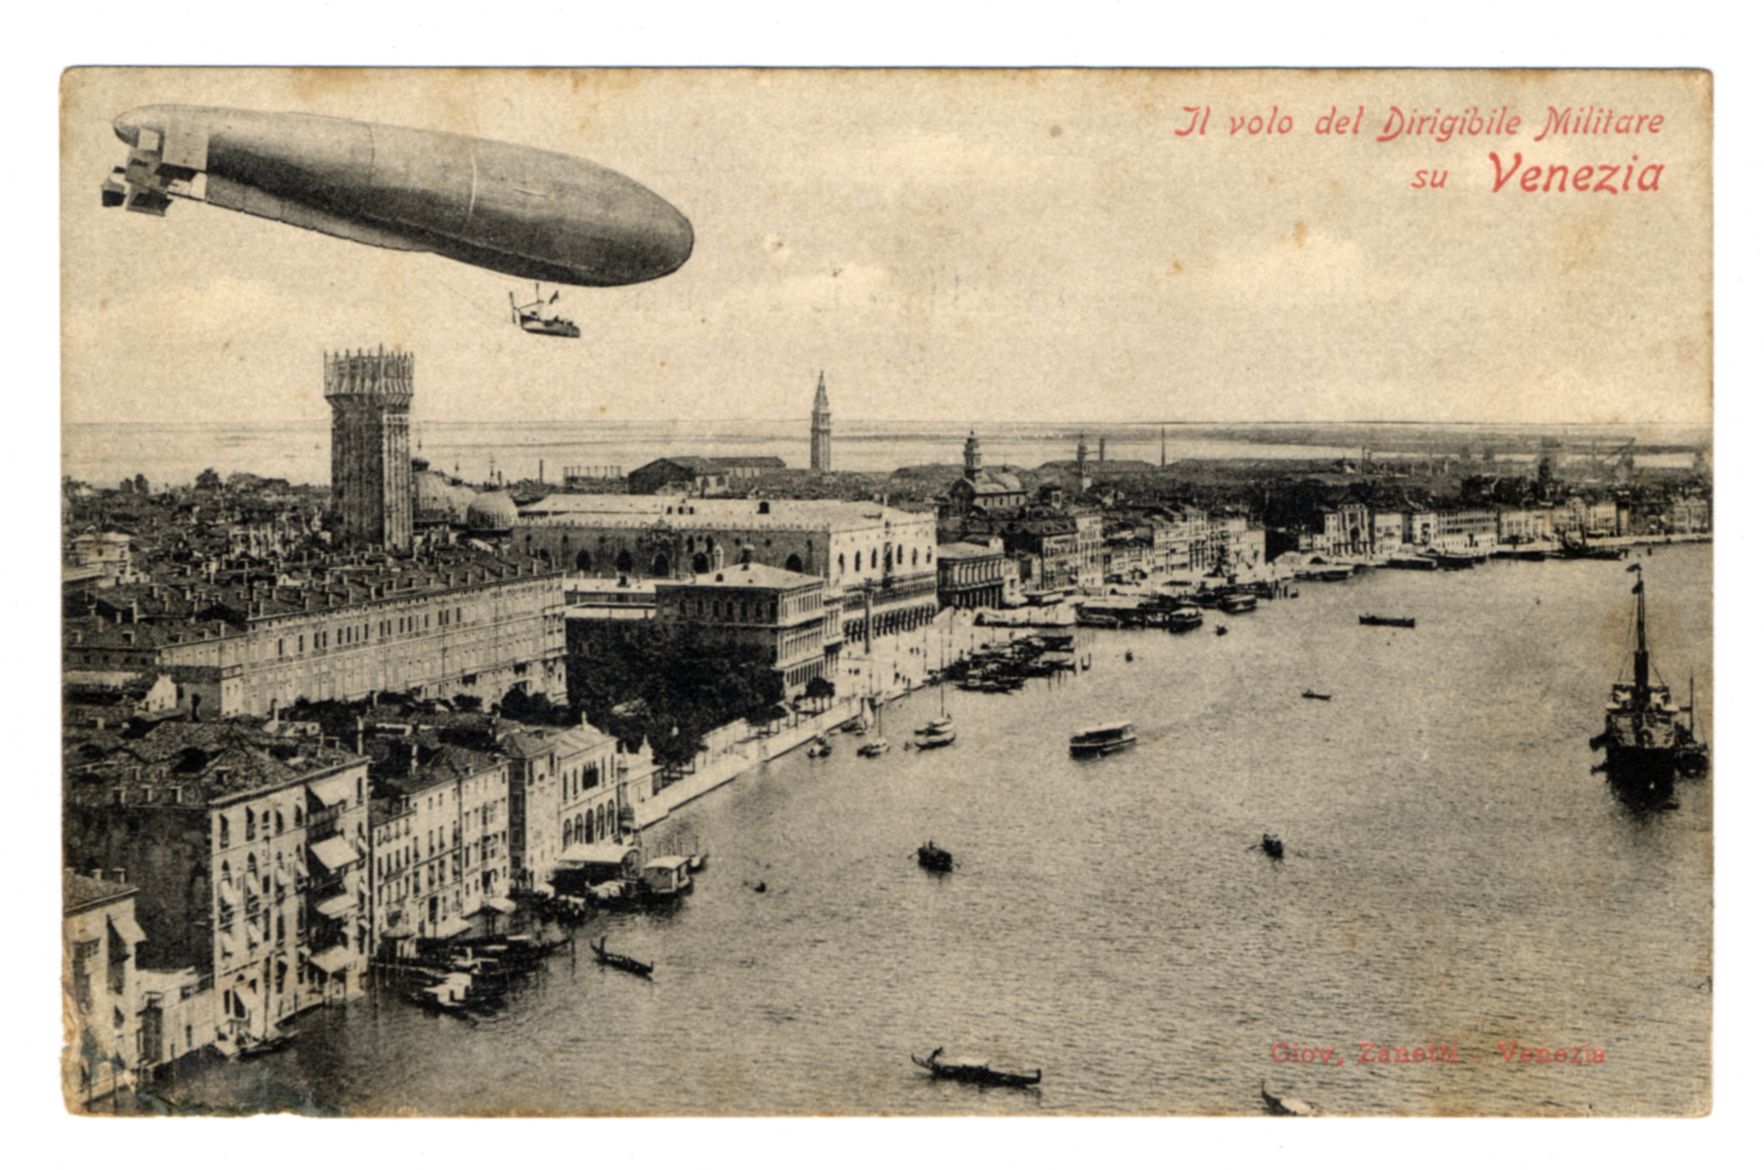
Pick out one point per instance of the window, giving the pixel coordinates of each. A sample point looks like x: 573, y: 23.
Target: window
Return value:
x: 226, y: 834
x: 251, y: 831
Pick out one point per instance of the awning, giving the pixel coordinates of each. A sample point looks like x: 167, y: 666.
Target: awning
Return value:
x: 500, y: 905
x: 332, y: 961
x: 129, y: 930
x: 332, y: 789
x: 337, y: 906
x: 253, y: 936
x: 668, y: 863
x: 334, y: 853
x: 225, y: 890
x: 397, y: 932
x: 452, y: 926
x: 543, y: 888
x: 598, y: 853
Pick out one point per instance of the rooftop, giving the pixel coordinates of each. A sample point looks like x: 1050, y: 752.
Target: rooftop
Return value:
x: 694, y: 513
x: 750, y: 576
x: 79, y: 891
x: 177, y: 762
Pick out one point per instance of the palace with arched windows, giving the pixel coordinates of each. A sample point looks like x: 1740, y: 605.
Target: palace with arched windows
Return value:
x: 880, y: 563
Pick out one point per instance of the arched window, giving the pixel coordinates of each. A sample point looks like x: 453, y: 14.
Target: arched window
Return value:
x: 915, y: 558
x: 250, y: 825
x: 660, y: 566
x: 624, y: 563
x: 842, y: 564
x: 794, y: 563
x: 872, y: 558
x: 600, y: 819
x: 279, y: 822
x: 700, y: 563
x: 226, y: 831
x: 584, y: 562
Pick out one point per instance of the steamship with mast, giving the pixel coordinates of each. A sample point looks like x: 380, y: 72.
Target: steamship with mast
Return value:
x: 1649, y: 741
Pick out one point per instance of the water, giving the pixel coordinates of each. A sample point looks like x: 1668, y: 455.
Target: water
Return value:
x: 1453, y: 875
x: 174, y: 453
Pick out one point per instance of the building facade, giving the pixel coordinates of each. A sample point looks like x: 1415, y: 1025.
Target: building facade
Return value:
x: 465, y: 625
x: 971, y: 576
x: 781, y: 617
x: 99, y: 936
x: 563, y: 788
x: 879, y: 563
x: 439, y: 833
x: 248, y: 850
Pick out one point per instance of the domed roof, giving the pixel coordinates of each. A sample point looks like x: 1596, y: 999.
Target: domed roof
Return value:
x: 436, y: 495
x: 492, y: 512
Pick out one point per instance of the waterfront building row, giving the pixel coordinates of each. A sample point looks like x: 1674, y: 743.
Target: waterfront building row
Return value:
x: 1358, y: 529
x: 467, y: 623
x: 267, y: 866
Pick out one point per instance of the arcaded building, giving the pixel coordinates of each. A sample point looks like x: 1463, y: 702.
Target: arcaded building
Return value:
x: 879, y: 562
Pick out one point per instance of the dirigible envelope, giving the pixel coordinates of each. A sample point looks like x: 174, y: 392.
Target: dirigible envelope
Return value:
x: 511, y: 209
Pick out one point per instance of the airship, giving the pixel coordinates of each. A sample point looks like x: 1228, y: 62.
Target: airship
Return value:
x: 510, y: 209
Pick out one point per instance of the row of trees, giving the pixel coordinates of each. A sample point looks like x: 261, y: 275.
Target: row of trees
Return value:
x: 669, y: 684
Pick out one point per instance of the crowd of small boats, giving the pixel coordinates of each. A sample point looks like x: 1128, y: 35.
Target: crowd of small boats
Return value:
x: 474, y: 980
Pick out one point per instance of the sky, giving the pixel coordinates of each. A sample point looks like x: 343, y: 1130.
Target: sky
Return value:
x: 947, y: 246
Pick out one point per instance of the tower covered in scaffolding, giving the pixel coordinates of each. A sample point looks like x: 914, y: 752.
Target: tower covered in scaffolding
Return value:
x: 370, y: 394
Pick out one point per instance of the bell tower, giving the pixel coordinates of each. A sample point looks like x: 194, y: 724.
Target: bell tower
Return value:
x: 370, y: 394
x: 821, y: 430
x: 971, y: 458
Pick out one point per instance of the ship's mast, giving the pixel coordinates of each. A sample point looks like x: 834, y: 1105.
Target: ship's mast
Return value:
x: 1641, y: 642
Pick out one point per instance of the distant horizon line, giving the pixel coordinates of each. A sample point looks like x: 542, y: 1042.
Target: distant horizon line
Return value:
x: 793, y: 419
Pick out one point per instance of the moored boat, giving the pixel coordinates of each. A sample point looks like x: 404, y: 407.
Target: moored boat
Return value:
x: 1648, y: 740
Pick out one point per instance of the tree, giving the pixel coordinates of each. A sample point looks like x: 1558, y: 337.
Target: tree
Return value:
x: 820, y: 690
x: 208, y: 481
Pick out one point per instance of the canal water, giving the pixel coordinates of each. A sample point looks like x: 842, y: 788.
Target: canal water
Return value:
x: 1453, y: 876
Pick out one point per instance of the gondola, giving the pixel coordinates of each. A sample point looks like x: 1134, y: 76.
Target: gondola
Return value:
x: 1273, y: 847
x: 975, y: 1074
x: 1324, y: 696
x: 264, y: 1045
x: 608, y: 958
x: 1372, y: 619
x: 935, y: 859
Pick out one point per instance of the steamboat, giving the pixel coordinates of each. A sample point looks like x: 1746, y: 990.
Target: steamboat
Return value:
x: 1648, y: 740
